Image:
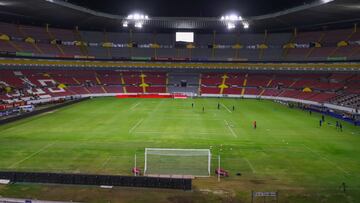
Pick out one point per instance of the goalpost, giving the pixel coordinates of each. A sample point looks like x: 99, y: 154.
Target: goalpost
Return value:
x: 185, y: 162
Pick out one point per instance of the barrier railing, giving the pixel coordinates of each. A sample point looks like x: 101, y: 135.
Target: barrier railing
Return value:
x: 100, y: 180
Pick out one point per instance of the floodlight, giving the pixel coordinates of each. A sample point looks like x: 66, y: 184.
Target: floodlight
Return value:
x: 326, y: 1
x: 136, y: 19
x: 232, y: 20
x: 231, y: 26
x: 233, y: 17
x: 246, y: 25
x: 138, y: 25
x: 136, y: 16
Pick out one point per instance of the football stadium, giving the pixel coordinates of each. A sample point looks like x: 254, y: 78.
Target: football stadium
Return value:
x: 180, y: 101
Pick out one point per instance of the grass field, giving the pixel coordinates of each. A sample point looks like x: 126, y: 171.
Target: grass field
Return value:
x: 288, y: 150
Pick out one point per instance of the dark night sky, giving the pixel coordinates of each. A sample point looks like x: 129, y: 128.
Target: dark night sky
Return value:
x: 190, y: 8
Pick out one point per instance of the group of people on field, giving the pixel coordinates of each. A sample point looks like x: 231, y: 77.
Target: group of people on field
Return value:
x: 218, y: 107
x: 338, y: 125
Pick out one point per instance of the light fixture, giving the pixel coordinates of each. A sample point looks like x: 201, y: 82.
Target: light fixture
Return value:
x: 231, y: 26
x: 137, y: 16
x: 246, y: 25
x: 232, y: 20
x: 125, y: 24
x: 326, y: 1
x: 137, y: 19
x: 231, y: 17
x: 138, y: 25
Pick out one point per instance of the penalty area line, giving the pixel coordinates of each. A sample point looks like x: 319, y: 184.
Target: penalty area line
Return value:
x: 105, y: 163
x: 32, y: 155
x: 182, y: 133
x: 326, y: 159
x: 251, y: 166
x: 136, y: 125
x: 226, y: 108
x: 230, y: 128
x: 134, y: 106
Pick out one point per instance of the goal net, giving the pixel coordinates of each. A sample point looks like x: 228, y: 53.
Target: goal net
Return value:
x: 192, y: 162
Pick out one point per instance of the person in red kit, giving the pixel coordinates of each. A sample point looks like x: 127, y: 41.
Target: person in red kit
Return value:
x: 254, y: 124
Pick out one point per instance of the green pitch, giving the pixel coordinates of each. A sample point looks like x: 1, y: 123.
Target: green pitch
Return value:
x: 102, y: 136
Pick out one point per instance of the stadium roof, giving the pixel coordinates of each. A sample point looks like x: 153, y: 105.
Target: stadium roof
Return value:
x: 191, y: 8
x: 57, y: 13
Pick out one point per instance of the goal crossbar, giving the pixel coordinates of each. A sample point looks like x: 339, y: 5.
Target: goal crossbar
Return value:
x: 172, y: 149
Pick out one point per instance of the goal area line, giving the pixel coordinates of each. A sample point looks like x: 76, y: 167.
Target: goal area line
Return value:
x: 172, y: 149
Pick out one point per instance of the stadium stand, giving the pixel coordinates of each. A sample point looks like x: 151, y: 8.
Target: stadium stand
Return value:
x: 351, y: 100
x: 314, y: 87
x: 340, y: 89
x: 302, y: 46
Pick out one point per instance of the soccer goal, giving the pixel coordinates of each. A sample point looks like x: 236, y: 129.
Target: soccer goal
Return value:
x: 186, y: 162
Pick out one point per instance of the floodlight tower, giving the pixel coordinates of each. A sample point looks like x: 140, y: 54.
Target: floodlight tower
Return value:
x: 232, y: 20
x: 136, y: 19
